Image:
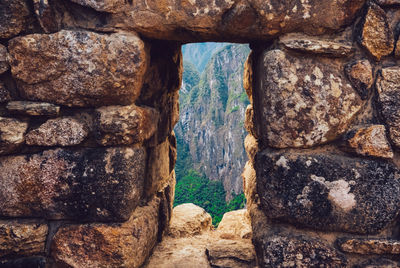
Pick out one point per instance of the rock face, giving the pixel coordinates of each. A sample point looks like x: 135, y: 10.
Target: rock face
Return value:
x: 212, y: 107
x: 361, y: 77
x: 376, y: 35
x: 315, y: 45
x: 79, y: 68
x: 33, y: 108
x: 281, y: 251
x: 65, y: 131
x: 12, y: 133
x: 369, y: 141
x: 189, y: 220
x: 303, y: 102
x: 327, y: 191
x: 119, y: 245
x: 22, y: 238
x: 116, y: 125
x: 107, y: 182
x: 388, y: 98
x: 370, y: 246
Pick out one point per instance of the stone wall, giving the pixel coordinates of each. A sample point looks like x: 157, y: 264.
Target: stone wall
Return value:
x: 89, y: 98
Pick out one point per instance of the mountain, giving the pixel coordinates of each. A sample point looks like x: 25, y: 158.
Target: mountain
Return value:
x: 199, y: 54
x: 210, y: 132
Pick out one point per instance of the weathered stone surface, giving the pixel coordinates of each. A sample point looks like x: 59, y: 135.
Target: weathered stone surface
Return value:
x: 12, y: 134
x: 376, y: 35
x: 79, y: 68
x: 22, y: 238
x: 328, y: 191
x: 369, y: 246
x: 249, y: 123
x: 315, y: 45
x: 388, y: 86
x: 125, y: 244
x: 84, y: 185
x: 231, y: 253
x: 368, y: 141
x: 3, y: 59
x: 115, y: 125
x: 249, y: 183
x: 160, y: 165
x: 297, y: 251
x: 62, y: 131
x: 303, y: 101
x: 188, y: 220
x: 13, y: 15
x: 361, y: 76
x: 181, y: 252
x: 251, y: 146
x: 4, y: 93
x: 235, y: 224
x: 226, y: 20
x: 248, y: 76
x: 33, y: 108
x: 388, y: 2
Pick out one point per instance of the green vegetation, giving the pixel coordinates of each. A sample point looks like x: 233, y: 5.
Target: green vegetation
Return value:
x: 210, y: 195
x: 234, y: 109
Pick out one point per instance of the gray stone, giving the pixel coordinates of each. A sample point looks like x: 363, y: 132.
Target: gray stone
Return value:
x: 22, y: 238
x: 314, y: 45
x: 361, y: 76
x: 13, y: 17
x: 30, y: 108
x: 83, y: 185
x: 79, y: 68
x: 388, y: 87
x: 376, y: 36
x: 368, y: 141
x: 12, y: 134
x: 115, y: 125
x: 303, y: 102
x: 369, y: 246
x: 328, y: 192
x: 3, y: 59
x: 296, y: 251
x: 63, y: 131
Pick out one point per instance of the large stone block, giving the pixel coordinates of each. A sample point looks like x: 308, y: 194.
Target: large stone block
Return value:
x: 197, y: 20
x: 83, y: 185
x: 22, y: 238
x: 328, y: 191
x: 116, y: 125
x: 79, y: 68
x: 303, y: 101
x: 95, y: 245
x: 376, y: 35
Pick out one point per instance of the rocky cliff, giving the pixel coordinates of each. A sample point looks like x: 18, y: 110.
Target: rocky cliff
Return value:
x: 212, y: 108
